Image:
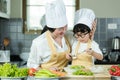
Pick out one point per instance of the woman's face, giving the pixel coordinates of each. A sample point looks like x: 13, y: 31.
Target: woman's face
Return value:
x: 60, y: 32
x: 82, y: 37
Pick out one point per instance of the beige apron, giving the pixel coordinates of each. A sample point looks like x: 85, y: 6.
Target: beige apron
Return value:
x: 57, y: 59
x: 83, y: 58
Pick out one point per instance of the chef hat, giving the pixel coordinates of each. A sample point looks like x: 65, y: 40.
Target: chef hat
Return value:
x: 85, y: 16
x: 56, y: 14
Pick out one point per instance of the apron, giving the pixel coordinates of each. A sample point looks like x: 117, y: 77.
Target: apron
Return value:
x: 57, y: 59
x: 83, y: 58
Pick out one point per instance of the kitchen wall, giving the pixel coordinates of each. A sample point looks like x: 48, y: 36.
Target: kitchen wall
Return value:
x: 12, y: 28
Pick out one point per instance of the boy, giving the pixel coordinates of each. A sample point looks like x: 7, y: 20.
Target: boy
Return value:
x: 84, y: 49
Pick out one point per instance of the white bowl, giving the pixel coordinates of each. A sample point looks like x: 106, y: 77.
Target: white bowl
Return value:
x: 24, y: 56
x: 69, y: 70
x: 97, y: 69
x: 13, y: 78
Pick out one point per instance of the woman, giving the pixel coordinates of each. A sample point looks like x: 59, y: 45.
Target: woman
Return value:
x: 85, y: 49
x: 50, y: 48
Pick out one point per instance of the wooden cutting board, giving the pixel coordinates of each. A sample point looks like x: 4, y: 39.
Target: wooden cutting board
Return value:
x: 97, y: 76
x: 100, y: 76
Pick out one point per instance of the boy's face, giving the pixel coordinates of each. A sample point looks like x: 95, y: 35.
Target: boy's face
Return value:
x: 82, y: 37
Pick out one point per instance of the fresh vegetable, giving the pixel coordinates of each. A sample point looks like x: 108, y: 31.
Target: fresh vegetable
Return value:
x: 9, y: 70
x: 58, y: 73
x: 114, y: 70
x: 81, y: 70
x: 44, y: 73
x: 31, y: 71
x: 77, y: 67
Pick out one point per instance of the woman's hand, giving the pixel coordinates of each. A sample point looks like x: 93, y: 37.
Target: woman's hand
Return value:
x: 69, y: 57
x: 54, y: 68
x: 94, y: 24
x: 94, y: 54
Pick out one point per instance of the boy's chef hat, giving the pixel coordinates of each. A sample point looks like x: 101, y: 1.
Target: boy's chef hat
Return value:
x: 56, y: 14
x: 85, y: 16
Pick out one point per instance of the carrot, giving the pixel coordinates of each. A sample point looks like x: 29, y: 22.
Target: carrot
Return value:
x: 59, y: 73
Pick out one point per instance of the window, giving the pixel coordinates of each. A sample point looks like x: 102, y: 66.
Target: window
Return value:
x: 33, y: 10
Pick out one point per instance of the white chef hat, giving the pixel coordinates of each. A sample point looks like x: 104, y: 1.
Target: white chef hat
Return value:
x: 85, y: 16
x: 56, y: 14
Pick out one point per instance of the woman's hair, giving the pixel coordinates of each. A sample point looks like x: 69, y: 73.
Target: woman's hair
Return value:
x: 81, y: 28
x: 47, y: 28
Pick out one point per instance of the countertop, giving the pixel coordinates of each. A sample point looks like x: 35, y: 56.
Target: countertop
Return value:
x: 97, y: 76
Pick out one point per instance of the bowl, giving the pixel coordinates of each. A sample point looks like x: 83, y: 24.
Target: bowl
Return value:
x: 97, y: 69
x: 13, y: 78
x: 24, y: 56
x: 69, y: 70
x: 115, y: 77
x: 46, y: 79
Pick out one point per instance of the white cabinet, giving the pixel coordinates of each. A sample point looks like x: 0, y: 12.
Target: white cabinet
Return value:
x: 16, y: 8
x: 5, y: 8
x: 103, y: 8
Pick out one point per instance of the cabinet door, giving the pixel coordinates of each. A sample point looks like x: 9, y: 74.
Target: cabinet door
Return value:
x: 5, y: 8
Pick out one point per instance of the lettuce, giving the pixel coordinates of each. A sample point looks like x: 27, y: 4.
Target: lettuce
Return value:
x: 9, y: 70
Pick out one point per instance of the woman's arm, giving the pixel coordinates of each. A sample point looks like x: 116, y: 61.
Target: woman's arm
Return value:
x: 94, y: 54
x: 93, y: 29
x: 97, y: 55
x: 33, y: 57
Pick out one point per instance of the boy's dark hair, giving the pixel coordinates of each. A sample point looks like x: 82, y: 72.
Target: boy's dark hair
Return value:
x: 81, y: 28
x: 47, y: 28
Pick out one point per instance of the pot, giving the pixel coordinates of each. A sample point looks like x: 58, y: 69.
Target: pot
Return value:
x: 116, y: 43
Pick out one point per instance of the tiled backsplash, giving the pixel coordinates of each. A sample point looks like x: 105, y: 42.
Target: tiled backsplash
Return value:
x: 12, y: 28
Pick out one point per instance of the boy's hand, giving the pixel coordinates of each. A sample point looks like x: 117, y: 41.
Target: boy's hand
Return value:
x: 89, y: 51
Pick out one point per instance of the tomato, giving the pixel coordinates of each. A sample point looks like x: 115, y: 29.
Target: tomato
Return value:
x: 31, y: 71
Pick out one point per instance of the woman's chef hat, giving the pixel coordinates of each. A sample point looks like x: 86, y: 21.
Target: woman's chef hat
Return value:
x: 85, y: 16
x: 56, y: 14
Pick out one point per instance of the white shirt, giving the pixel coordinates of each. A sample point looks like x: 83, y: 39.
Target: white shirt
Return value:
x: 83, y: 47
x: 41, y: 52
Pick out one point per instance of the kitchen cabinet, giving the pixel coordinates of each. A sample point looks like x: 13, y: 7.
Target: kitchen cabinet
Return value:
x: 16, y: 9
x: 5, y: 8
x: 102, y: 8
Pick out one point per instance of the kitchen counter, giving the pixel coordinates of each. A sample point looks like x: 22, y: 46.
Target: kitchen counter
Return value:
x: 97, y: 76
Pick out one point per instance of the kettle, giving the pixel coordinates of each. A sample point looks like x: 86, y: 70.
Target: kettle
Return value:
x: 116, y: 43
